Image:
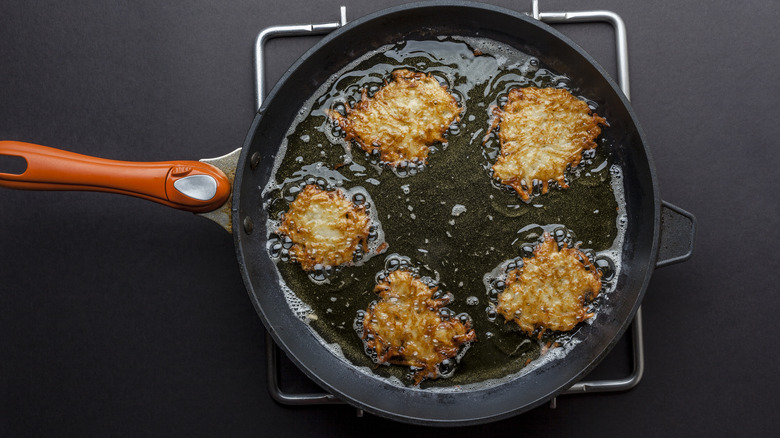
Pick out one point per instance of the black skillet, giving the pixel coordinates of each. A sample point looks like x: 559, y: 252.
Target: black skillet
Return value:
x: 648, y: 232
x: 426, y: 21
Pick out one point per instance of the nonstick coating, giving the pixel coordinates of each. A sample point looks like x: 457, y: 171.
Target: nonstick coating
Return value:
x: 470, y: 404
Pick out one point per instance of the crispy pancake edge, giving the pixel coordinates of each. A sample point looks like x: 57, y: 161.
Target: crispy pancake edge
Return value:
x: 531, y: 307
x: 401, y: 120
x: 343, y: 217
x: 389, y: 326
x: 536, y: 122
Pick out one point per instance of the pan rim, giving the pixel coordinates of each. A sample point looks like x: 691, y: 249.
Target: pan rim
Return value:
x: 239, y: 228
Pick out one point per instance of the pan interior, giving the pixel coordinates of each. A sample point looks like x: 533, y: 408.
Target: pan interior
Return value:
x: 361, y: 387
x: 449, y: 219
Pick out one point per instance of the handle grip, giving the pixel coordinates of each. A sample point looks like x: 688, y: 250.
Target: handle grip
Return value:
x: 186, y: 185
x: 678, y: 231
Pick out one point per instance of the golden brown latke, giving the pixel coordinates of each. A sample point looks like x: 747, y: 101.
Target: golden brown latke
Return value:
x: 405, y: 327
x: 402, y: 119
x: 542, y: 131
x: 550, y: 290
x: 325, y: 227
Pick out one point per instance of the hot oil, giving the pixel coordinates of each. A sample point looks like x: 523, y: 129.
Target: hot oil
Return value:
x: 453, y: 222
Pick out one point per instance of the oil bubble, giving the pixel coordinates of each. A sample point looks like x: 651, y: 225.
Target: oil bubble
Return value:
x: 606, y: 266
x: 358, y: 198
x: 446, y: 368
x: 276, y: 249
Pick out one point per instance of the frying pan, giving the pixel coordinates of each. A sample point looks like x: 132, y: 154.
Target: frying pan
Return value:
x: 655, y: 236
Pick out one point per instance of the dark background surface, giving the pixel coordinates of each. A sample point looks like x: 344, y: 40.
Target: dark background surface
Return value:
x: 122, y: 317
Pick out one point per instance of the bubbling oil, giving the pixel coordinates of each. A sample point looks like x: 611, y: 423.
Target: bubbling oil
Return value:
x: 394, y: 262
x: 448, y: 219
x: 495, y: 280
x: 278, y: 247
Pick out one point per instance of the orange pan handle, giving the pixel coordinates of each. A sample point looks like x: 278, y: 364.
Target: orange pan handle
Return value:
x: 185, y: 185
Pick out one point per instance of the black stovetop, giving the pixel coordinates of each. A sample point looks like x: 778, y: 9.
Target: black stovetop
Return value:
x: 121, y: 317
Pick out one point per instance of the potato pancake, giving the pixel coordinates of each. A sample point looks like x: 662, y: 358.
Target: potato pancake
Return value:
x: 325, y: 228
x: 550, y: 291
x: 542, y: 132
x: 406, y: 326
x: 402, y: 119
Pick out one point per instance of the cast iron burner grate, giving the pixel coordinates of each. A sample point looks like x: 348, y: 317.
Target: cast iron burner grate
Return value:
x: 587, y: 386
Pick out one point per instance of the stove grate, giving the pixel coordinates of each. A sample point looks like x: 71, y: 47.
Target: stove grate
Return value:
x: 596, y: 16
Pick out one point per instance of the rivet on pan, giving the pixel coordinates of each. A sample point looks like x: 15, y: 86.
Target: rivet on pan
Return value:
x: 254, y: 160
x: 248, y: 225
